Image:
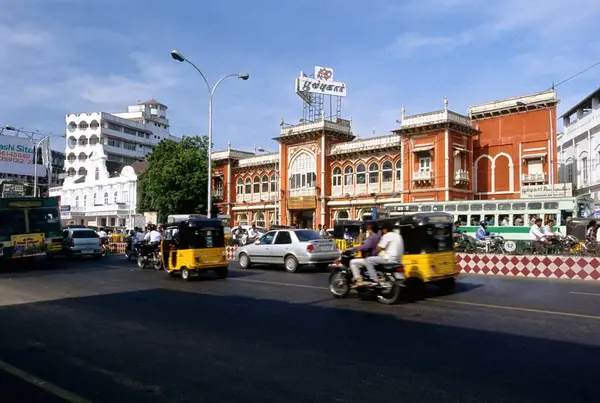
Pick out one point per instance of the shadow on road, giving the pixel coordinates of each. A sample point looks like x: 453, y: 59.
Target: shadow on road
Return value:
x: 159, y: 345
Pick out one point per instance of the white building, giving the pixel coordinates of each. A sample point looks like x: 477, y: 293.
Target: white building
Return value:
x: 127, y: 137
x: 579, y: 146
x: 102, y: 197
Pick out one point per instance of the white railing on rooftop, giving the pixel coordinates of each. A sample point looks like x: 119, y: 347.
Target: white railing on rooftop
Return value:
x: 338, y: 124
x: 259, y: 160
x: 435, y: 118
x: 366, y: 144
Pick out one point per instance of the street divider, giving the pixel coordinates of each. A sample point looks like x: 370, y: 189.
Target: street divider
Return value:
x: 561, y: 267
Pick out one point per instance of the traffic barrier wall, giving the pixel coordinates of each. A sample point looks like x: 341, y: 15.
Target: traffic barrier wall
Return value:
x: 562, y: 267
x: 117, y: 247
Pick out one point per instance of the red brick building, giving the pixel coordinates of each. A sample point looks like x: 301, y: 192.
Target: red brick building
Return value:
x: 322, y: 172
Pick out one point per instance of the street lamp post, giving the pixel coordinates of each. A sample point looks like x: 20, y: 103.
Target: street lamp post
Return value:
x: 211, y: 91
x: 35, y: 161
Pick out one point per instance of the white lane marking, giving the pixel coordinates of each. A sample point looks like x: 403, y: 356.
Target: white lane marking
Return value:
x: 314, y: 287
x: 585, y: 293
x: 40, y: 383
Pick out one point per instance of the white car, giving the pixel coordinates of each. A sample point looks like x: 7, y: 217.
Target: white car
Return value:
x: 291, y: 248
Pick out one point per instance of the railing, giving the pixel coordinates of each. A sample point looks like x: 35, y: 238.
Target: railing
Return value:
x: 303, y: 192
x: 423, y: 175
x: 461, y: 175
x: 337, y: 191
x: 534, y: 178
x: 435, y: 118
x: 366, y: 145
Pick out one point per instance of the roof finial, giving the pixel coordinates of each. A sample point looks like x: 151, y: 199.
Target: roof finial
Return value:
x: 281, y: 123
x: 228, y: 145
x: 446, y: 102
x: 403, y: 112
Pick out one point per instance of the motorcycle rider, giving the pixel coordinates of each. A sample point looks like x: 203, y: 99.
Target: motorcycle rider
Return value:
x: 482, y: 234
x: 253, y: 233
x: 153, y: 236
x: 390, y: 249
x: 536, y: 236
x: 369, y: 248
x: 456, y: 231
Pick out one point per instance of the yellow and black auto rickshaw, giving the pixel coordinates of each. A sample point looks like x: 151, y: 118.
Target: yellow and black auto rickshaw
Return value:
x: 193, y: 246
x: 428, y: 250
x: 347, y: 233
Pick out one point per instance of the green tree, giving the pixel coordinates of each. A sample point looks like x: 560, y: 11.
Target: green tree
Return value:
x: 176, y: 179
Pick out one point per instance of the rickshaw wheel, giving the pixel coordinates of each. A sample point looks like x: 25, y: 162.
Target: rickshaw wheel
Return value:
x: 222, y: 272
x: 446, y: 286
x: 185, y: 274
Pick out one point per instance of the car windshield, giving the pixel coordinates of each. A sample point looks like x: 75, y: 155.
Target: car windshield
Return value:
x: 307, y: 235
x: 85, y: 234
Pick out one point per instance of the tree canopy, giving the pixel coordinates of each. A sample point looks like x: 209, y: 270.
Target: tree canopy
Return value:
x: 176, y: 179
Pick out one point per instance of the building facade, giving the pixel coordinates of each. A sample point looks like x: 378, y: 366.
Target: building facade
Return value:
x: 105, y: 196
x: 322, y: 172
x: 127, y: 137
x: 579, y: 146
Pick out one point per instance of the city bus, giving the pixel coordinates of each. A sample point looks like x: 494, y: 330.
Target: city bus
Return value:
x: 29, y: 227
x: 509, y: 218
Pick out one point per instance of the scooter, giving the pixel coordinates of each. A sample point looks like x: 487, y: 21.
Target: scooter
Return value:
x: 149, y: 255
x: 132, y: 252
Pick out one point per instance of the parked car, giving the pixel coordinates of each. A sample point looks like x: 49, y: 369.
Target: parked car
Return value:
x: 291, y: 248
x: 82, y: 242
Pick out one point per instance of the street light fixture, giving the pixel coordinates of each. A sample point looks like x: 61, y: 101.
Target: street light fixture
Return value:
x: 176, y: 55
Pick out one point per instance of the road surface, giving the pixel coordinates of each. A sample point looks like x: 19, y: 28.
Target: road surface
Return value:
x: 105, y: 331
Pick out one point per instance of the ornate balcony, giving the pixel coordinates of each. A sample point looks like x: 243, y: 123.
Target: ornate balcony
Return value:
x: 423, y: 176
x: 461, y: 176
x: 534, y: 178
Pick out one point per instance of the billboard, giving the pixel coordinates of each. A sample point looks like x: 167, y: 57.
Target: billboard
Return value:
x: 537, y: 191
x: 16, y: 156
x: 322, y: 83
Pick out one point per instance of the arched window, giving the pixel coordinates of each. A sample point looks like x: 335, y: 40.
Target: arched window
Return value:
x: 115, y: 197
x: 71, y: 172
x: 361, y: 177
x: 95, y: 201
x: 343, y: 215
x: 259, y: 220
x: 337, y: 176
x: 303, y: 172
x: 398, y: 170
x: 81, y: 171
x: 374, y: 172
x: 106, y: 198
x: 77, y: 201
x: 248, y: 186
x: 84, y: 200
x: 256, y: 185
x: 273, y: 183
x: 240, y: 187
x: 348, y: 175
x: 242, y: 219
x: 97, y: 174
x: 387, y: 173
x: 265, y: 184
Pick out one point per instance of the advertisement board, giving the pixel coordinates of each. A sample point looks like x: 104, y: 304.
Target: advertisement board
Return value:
x: 27, y: 245
x: 322, y: 83
x: 537, y: 191
x: 16, y: 156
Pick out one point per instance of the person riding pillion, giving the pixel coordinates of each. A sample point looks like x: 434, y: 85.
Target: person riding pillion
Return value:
x: 390, y: 249
x: 369, y: 248
x: 154, y: 236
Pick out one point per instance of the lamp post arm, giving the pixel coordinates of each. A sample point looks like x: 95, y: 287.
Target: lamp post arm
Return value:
x: 202, y: 75
x: 212, y: 92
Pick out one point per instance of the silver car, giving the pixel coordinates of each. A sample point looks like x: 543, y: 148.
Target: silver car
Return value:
x: 82, y: 242
x: 289, y: 247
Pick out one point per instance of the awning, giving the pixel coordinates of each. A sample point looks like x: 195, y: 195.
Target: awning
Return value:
x: 422, y: 149
x: 534, y: 156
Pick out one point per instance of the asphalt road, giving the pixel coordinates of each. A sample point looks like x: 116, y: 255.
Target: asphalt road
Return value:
x: 105, y: 331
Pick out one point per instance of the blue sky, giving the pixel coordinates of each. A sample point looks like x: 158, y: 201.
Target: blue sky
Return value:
x: 69, y: 56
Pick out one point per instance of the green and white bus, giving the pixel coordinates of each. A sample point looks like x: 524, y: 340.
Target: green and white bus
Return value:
x: 510, y: 218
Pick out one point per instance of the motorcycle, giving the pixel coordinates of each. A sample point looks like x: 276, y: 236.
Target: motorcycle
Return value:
x: 149, y: 255
x: 131, y: 251
x: 391, y: 281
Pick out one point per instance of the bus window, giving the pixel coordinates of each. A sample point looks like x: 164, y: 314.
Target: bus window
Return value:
x: 534, y: 206
x: 475, y: 219
x: 476, y: 207
x: 504, y: 220
x: 518, y: 220
x: 504, y: 206
x: 425, y: 208
x: 490, y: 219
x: 413, y: 209
x: 532, y: 218
x: 12, y: 222
x: 462, y: 219
x: 44, y: 220
x: 519, y: 206
x: 551, y: 206
x: 450, y: 207
x: 489, y: 206
x: 550, y: 217
x: 463, y: 207
x: 438, y: 208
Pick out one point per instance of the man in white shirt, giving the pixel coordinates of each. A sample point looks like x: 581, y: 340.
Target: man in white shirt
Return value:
x: 103, y: 235
x: 154, y: 236
x: 536, y: 236
x: 390, y: 248
x: 253, y: 233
